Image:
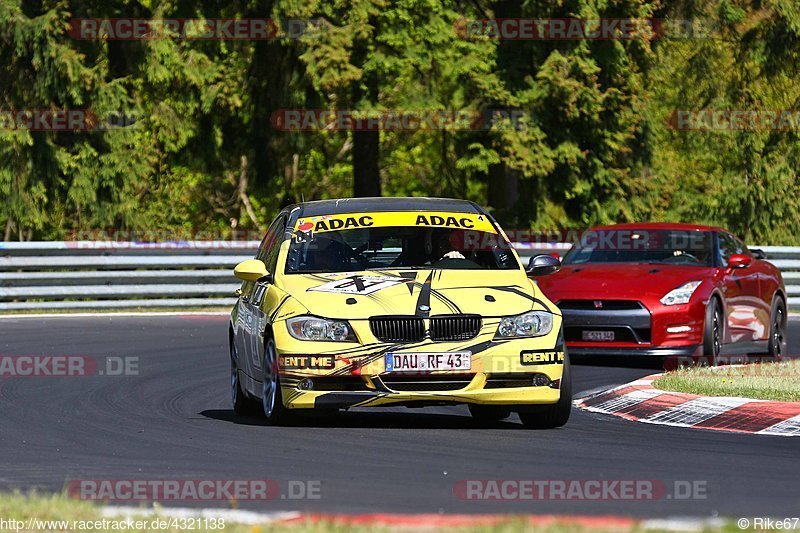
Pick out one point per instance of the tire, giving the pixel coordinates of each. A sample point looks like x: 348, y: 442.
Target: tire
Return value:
x: 242, y: 403
x: 555, y: 415
x: 272, y: 406
x: 488, y: 413
x: 713, y: 332
x: 778, y: 343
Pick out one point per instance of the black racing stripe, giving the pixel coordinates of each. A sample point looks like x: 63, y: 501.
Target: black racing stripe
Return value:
x: 367, y: 348
x: 359, y: 282
x: 287, y: 315
x: 361, y: 362
x: 409, y: 277
x: 371, y: 358
x: 368, y: 401
x: 366, y: 359
x: 354, y: 351
x: 278, y: 308
x: 515, y: 290
x: 424, y: 298
x: 412, y: 281
x: 447, y: 301
x: 292, y: 396
x: 381, y: 386
x: 538, y: 301
x: 483, y: 346
x: 375, y: 298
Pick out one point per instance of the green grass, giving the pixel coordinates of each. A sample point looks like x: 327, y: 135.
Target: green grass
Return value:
x: 768, y: 381
x: 59, y: 507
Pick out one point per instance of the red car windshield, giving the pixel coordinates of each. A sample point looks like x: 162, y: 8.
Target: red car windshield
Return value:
x: 675, y: 247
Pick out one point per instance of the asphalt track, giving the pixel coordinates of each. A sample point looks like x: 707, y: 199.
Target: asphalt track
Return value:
x: 173, y: 421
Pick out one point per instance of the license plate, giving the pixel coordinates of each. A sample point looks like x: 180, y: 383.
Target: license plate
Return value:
x: 598, y: 335
x: 427, y: 362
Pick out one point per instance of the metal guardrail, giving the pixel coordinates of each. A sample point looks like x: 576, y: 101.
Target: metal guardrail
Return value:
x: 45, y: 276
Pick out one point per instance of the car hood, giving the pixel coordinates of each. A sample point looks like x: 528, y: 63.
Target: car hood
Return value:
x: 360, y: 295
x: 618, y: 281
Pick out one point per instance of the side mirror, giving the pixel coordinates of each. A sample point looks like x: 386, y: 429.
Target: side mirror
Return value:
x: 251, y: 270
x: 739, y: 261
x: 758, y: 253
x: 542, y: 265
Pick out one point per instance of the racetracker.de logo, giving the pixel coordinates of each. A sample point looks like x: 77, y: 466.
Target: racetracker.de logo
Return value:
x: 579, y: 489
x: 558, y: 29
x: 735, y: 120
x: 192, y: 489
x: 33, y: 366
x: 61, y: 120
x: 398, y: 120
x: 611, y: 240
x: 162, y: 239
x: 219, y: 29
x: 48, y: 120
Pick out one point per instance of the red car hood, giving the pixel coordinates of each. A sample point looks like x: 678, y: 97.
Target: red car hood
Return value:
x: 618, y: 281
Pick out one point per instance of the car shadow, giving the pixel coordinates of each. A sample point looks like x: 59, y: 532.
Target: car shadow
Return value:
x: 229, y: 415
x: 671, y: 363
x: 373, y: 420
x: 620, y: 361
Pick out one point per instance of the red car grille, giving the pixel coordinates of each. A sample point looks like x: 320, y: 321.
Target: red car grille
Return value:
x: 628, y: 320
x: 621, y: 333
x: 611, y: 305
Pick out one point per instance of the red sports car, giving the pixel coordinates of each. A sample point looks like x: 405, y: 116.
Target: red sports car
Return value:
x: 668, y: 290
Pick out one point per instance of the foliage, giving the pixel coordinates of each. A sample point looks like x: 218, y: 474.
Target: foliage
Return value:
x: 589, y: 141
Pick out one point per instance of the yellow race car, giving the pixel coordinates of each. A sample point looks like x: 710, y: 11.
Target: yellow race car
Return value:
x: 371, y: 302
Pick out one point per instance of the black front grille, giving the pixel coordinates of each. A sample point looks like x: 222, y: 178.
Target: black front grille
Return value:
x: 455, y: 327
x: 397, y: 328
x: 609, y: 305
x: 440, y: 382
x: 508, y: 381
x: 339, y: 383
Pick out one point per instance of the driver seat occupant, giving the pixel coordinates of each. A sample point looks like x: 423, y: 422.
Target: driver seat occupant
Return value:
x: 444, y: 245
x: 327, y: 255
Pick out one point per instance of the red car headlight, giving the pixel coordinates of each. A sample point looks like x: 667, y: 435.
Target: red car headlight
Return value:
x: 681, y: 295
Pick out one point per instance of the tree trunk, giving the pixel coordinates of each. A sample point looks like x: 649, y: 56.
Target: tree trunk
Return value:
x: 366, y: 171
x: 366, y: 144
x: 503, y: 190
x: 9, y: 225
x: 503, y: 186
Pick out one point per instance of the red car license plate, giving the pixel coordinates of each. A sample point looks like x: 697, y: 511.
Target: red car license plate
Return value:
x: 605, y: 336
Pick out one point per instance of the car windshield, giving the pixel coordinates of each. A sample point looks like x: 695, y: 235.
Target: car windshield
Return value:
x: 675, y: 247
x: 397, y: 247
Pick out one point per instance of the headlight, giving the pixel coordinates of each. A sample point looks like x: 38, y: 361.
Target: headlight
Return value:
x: 681, y: 295
x: 532, y: 324
x: 311, y: 328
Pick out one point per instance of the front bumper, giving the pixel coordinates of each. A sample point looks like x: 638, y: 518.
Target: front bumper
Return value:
x: 640, y: 328
x: 653, y: 351
x: 475, y: 392
x: 344, y: 375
